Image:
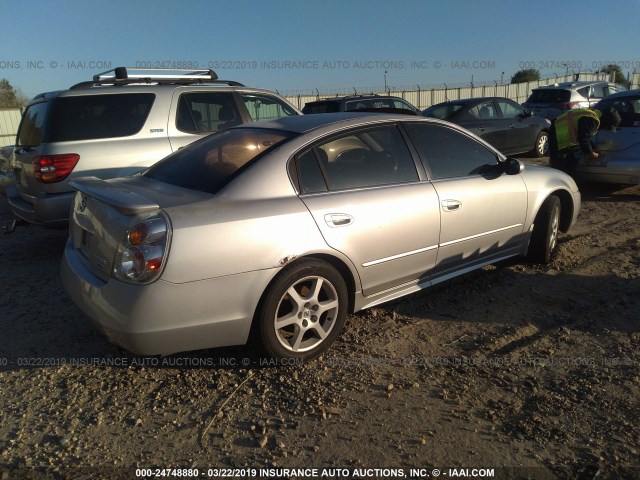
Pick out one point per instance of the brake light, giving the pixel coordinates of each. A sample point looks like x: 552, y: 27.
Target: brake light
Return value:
x: 143, y: 251
x: 568, y: 105
x: 55, y: 168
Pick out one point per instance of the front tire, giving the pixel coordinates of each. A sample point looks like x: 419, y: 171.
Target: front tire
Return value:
x: 303, y: 311
x: 546, y: 229
x: 541, y: 147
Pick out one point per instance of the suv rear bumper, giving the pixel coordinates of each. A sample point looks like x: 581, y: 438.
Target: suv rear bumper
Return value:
x: 51, y: 210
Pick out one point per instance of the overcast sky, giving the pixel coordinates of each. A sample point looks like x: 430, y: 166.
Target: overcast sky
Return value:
x: 299, y: 46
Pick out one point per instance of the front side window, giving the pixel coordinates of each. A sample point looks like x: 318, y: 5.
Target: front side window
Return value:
x: 484, y: 111
x: 443, y: 112
x: 265, y: 107
x: 88, y: 117
x: 509, y: 109
x: 32, y: 124
x: 206, y: 112
x: 208, y: 165
x: 448, y: 153
x: 628, y: 108
x: 367, y: 158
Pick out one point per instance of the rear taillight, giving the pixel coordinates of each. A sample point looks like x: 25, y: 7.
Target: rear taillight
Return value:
x: 568, y: 105
x: 55, y: 168
x: 143, y: 251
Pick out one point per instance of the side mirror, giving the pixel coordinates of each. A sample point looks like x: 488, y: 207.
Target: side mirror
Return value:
x: 512, y: 166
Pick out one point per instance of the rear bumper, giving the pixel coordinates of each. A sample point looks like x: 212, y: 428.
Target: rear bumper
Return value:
x: 164, y: 318
x: 50, y: 210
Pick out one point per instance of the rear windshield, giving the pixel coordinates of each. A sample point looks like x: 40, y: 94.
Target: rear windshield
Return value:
x: 90, y: 117
x: 443, y: 112
x: 321, y: 107
x: 209, y: 164
x: 549, y: 96
x: 387, y: 104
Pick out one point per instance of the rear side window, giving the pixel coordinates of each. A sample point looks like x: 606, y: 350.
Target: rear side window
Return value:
x: 443, y: 112
x: 597, y: 91
x: 448, y: 153
x: 264, y: 107
x: 206, y: 112
x: 90, y: 117
x: 209, y: 164
x: 32, y: 125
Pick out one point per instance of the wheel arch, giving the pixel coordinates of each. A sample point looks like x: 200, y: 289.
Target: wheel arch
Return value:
x: 566, y: 209
x: 344, y: 271
x: 342, y: 268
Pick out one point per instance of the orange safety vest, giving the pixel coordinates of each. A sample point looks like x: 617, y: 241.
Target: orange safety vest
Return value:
x: 566, y: 126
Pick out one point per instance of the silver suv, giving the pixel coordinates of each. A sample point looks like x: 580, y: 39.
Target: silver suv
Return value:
x: 117, y: 125
x: 553, y: 100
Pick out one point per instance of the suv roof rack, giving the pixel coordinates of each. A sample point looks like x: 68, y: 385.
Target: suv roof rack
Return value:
x: 171, y: 76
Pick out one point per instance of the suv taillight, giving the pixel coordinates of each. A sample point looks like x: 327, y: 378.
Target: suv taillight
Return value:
x: 568, y: 105
x: 55, y: 168
x: 142, y: 252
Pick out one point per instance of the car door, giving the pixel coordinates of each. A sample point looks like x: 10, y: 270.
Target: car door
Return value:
x: 485, y: 121
x: 520, y: 133
x: 364, y: 193
x: 619, y: 146
x: 482, y: 209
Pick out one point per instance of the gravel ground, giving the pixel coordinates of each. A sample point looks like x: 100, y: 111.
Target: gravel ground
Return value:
x: 531, y: 370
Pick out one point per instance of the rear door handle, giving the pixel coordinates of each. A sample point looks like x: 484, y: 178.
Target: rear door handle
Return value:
x: 481, y: 129
x: 451, y: 205
x: 338, y: 219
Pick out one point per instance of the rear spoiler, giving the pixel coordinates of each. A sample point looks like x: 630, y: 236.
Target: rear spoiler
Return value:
x: 126, y: 202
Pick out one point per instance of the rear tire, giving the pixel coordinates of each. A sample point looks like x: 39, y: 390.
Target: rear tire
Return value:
x: 544, y: 237
x: 303, y: 310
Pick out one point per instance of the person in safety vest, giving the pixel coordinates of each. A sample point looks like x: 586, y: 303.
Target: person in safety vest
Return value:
x: 571, y: 132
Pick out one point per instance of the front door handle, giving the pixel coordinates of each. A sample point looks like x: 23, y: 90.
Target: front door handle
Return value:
x: 481, y: 128
x: 451, y: 205
x: 338, y: 219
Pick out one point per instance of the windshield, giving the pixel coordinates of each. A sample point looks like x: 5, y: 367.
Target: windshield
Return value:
x: 443, y: 112
x: 209, y: 164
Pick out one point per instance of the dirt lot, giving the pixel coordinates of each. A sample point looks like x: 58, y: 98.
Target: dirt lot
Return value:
x: 532, y: 371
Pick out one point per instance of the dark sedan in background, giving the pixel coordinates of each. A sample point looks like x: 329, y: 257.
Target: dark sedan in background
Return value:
x: 499, y: 121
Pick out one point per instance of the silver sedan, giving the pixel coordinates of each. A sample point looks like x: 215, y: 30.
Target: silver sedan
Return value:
x: 281, y: 228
